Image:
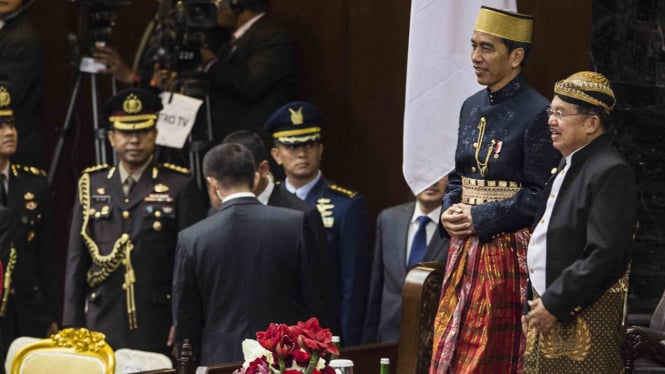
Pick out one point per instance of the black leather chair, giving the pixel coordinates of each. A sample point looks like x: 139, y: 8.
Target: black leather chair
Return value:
x: 644, y: 347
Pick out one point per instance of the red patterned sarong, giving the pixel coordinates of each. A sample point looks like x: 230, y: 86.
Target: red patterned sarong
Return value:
x: 477, y: 327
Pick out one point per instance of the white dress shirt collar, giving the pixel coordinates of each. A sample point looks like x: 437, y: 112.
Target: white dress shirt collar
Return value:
x: 264, y: 196
x: 237, y: 195
x: 303, y: 191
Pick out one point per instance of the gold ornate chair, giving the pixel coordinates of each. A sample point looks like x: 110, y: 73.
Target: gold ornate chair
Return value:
x: 71, y: 350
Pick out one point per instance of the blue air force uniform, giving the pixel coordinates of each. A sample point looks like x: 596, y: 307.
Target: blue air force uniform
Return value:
x: 344, y: 215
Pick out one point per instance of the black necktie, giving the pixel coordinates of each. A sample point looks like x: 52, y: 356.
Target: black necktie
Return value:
x: 419, y: 241
x: 3, y: 190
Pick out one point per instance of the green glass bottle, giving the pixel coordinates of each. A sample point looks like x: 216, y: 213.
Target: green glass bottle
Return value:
x: 336, y: 340
x: 385, y: 366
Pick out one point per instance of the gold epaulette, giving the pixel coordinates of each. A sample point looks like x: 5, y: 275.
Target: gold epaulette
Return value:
x: 95, y: 168
x: 27, y: 170
x: 342, y: 191
x: 177, y: 168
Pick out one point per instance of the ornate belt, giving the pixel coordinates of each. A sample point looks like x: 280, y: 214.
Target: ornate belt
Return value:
x: 480, y: 191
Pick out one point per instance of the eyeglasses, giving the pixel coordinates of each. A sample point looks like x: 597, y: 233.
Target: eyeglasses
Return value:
x: 559, y: 114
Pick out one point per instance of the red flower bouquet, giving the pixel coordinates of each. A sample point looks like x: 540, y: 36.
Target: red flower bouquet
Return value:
x: 283, y: 349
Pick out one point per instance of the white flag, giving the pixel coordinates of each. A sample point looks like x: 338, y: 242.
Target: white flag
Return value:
x: 439, y: 77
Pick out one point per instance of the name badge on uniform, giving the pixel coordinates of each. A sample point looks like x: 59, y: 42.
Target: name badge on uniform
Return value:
x: 101, y: 199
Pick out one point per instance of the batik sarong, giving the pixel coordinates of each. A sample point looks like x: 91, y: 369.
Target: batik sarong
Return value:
x: 477, y: 328
x: 591, y: 343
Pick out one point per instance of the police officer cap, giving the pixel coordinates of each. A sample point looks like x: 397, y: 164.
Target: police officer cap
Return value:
x: 294, y: 123
x: 6, y: 112
x: 133, y: 109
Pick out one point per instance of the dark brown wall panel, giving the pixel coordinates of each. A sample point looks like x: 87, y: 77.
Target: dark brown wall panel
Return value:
x: 352, y: 62
x: 561, y: 41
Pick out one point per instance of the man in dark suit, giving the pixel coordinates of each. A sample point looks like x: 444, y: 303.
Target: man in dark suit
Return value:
x: 269, y: 193
x: 405, y: 235
x: 253, y: 74
x: 31, y: 302
x: 243, y: 267
x: 296, y: 131
x: 580, y: 249
x: 124, y: 231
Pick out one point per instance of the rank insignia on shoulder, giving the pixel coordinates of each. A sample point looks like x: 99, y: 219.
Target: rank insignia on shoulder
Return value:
x: 27, y: 170
x: 95, y: 168
x: 31, y: 205
x: 110, y: 174
x: 342, y: 191
x: 161, y: 188
x: 29, y: 196
x: 177, y: 168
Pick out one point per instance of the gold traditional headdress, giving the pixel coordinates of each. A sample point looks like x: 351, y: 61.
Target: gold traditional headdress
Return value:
x: 589, y: 87
x: 505, y: 24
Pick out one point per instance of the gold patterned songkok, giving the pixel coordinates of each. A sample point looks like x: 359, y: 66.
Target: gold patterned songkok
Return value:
x: 586, y: 87
x: 505, y: 24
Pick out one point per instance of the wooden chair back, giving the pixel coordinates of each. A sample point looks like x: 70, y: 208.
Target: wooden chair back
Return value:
x: 420, y: 301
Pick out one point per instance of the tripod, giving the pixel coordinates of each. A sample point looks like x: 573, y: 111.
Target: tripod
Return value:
x: 99, y: 134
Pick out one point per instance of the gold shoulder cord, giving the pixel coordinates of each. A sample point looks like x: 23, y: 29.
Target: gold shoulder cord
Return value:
x: 121, y: 253
x: 7, y: 284
x: 482, y: 166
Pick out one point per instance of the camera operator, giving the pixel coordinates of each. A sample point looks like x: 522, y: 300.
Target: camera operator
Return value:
x: 253, y: 74
x: 21, y: 59
x: 156, y: 51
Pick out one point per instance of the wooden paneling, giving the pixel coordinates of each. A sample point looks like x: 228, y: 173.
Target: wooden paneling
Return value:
x: 352, y: 60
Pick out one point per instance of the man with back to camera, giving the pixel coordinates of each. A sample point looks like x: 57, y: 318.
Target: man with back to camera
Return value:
x: 31, y: 302
x: 406, y: 234
x: 296, y: 131
x: 269, y: 193
x: 243, y: 267
x: 124, y: 230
